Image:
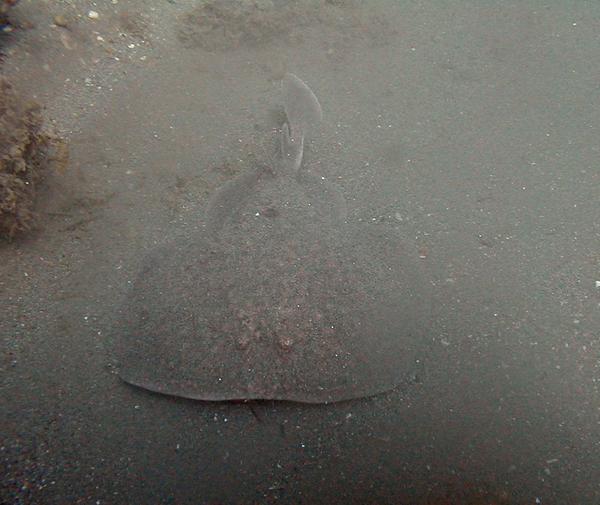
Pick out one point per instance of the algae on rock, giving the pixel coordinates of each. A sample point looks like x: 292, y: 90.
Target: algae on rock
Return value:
x: 26, y: 151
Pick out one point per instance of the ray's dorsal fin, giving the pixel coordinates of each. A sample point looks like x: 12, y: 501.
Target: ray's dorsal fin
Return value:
x: 304, y: 114
x: 292, y: 149
x: 302, y: 107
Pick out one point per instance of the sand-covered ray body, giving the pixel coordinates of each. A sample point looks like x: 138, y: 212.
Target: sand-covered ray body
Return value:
x: 279, y: 297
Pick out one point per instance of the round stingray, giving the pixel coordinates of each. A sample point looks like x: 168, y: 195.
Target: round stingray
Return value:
x: 286, y: 301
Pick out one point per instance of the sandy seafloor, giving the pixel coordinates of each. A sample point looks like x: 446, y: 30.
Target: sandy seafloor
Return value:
x: 471, y: 127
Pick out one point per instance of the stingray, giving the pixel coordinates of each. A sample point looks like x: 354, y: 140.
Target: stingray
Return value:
x: 278, y: 296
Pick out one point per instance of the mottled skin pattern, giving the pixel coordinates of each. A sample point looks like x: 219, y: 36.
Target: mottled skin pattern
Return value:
x: 284, y: 306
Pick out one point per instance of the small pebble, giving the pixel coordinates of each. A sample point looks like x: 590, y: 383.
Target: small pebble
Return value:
x: 93, y: 15
x: 60, y: 21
